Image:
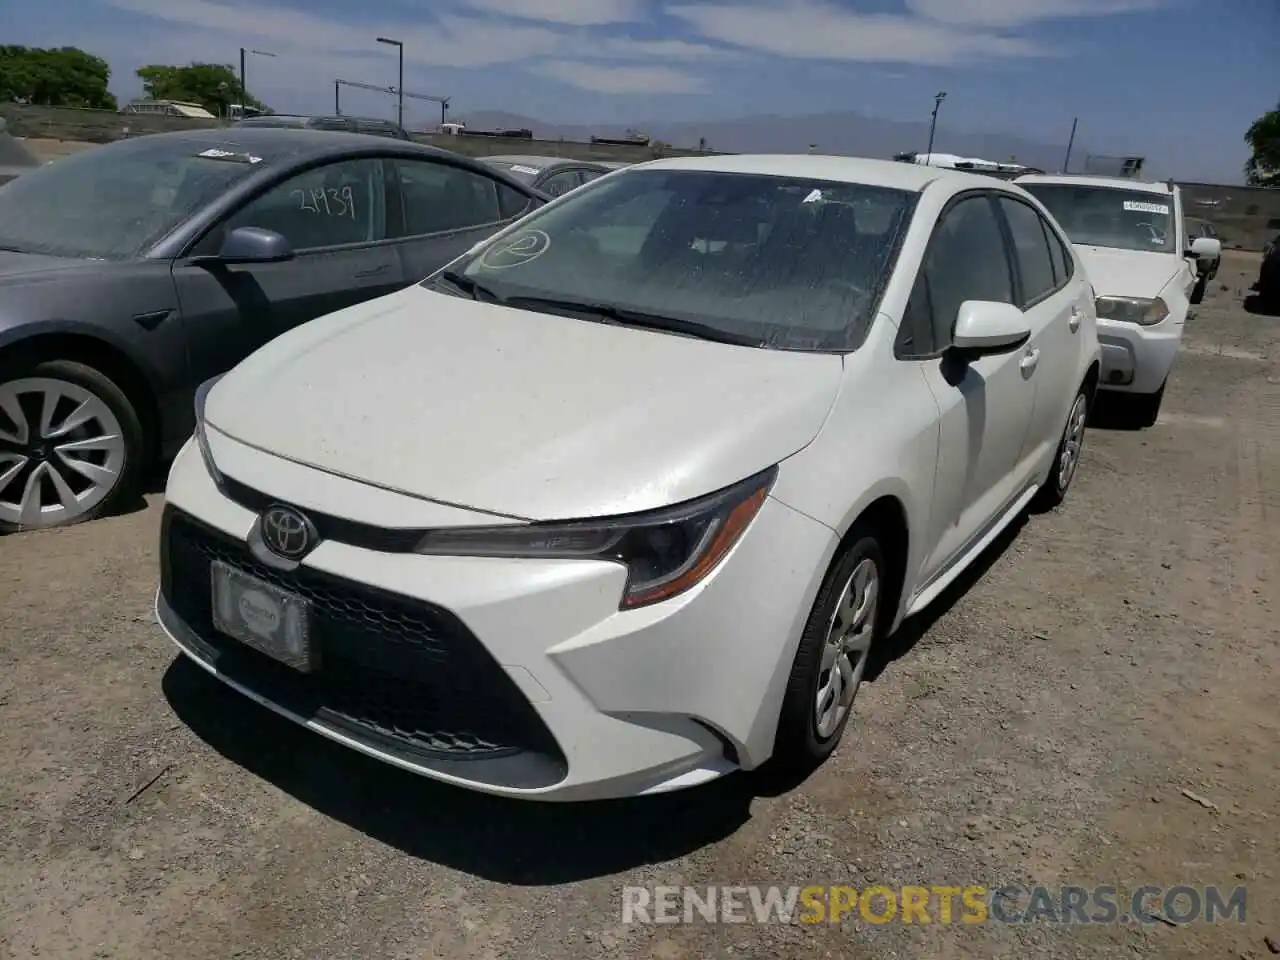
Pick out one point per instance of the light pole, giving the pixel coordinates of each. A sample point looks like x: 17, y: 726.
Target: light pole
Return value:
x: 400, y: 86
x: 933, y: 123
x: 244, y: 93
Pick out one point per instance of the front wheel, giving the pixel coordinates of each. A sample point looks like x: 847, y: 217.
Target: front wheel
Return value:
x: 71, y: 445
x: 832, y: 657
x: 1067, y: 458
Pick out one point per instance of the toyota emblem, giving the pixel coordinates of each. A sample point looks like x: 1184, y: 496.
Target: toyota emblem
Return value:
x: 287, y: 533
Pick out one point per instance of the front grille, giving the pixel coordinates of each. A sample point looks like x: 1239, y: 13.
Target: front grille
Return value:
x: 398, y: 674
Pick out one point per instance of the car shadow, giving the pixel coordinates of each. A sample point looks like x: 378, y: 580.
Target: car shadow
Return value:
x: 1111, y: 412
x: 1259, y: 307
x: 499, y: 839
x: 913, y: 629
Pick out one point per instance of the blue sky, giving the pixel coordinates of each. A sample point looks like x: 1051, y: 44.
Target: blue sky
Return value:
x: 1178, y: 81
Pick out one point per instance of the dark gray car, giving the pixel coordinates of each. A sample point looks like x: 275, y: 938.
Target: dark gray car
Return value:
x: 553, y: 176
x: 369, y: 125
x: 15, y: 159
x: 130, y: 273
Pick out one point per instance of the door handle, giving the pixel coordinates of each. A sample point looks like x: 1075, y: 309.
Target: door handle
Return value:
x: 373, y: 271
x: 1074, y: 322
x: 1029, y: 361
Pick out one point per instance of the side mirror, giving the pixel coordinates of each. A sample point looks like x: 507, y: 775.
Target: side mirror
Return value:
x: 251, y: 245
x: 1206, y: 248
x: 985, y: 327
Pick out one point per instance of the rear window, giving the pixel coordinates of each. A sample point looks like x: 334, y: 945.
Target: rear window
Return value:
x: 1101, y: 216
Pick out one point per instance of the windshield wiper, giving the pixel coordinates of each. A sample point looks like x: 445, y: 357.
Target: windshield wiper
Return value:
x: 623, y: 316
x: 472, y: 288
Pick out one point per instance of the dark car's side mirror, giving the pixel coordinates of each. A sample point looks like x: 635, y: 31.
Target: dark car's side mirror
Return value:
x: 254, y: 245
x: 247, y: 245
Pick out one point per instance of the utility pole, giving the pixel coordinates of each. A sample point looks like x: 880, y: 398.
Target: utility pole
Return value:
x: 244, y: 91
x: 337, y: 103
x: 1066, y: 163
x: 400, y: 87
x: 933, y: 123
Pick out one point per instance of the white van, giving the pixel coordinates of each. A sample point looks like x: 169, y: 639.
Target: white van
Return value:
x: 1144, y: 270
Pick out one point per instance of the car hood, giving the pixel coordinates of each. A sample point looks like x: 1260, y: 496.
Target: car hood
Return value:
x: 528, y: 415
x: 27, y: 267
x: 1128, y: 273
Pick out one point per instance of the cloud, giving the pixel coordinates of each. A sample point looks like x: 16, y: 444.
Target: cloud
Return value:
x: 450, y: 40
x: 622, y: 48
x: 582, y: 13
x: 810, y: 29
x: 1015, y: 13
x: 620, y: 79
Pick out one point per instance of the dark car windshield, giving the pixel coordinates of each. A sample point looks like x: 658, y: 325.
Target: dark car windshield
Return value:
x: 787, y: 263
x: 112, y: 202
x: 1109, y: 216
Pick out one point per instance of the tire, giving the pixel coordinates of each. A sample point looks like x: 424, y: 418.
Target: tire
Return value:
x: 1066, y: 460
x: 109, y: 446
x: 1144, y: 408
x: 802, y: 743
x: 1198, y: 292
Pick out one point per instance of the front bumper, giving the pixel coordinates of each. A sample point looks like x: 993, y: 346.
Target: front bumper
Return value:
x: 515, y: 677
x: 1137, y: 359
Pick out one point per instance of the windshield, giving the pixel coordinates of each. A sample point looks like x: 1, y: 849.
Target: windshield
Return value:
x: 1109, y: 216
x: 112, y: 202
x: 786, y: 263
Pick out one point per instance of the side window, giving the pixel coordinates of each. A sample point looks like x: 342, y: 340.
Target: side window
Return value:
x: 511, y: 202
x: 340, y: 203
x: 965, y: 260
x: 438, y: 197
x: 589, y: 175
x: 1031, y: 245
x: 1063, y: 263
x: 560, y: 183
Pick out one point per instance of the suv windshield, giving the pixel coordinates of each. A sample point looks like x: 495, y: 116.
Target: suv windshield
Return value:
x: 1110, y: 216
x: 784, y: 263
x: 112, y: 202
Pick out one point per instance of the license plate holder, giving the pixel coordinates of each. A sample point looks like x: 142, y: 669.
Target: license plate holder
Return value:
x: 262, y: 616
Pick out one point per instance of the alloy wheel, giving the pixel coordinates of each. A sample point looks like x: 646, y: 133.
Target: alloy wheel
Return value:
x: 1072, y: 442
x: 844, y: 656
x: 62, y: 451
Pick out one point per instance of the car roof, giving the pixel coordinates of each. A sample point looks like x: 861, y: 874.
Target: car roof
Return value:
x: 1083, y: 180
x: 277, y: 145
x: 878, y: 173
x: 541, y: 163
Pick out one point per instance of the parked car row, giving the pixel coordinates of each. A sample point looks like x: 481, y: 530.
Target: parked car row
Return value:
x: 606, y: 504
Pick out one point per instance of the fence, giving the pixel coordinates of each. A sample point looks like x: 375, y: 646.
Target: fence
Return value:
x: 105, y: 126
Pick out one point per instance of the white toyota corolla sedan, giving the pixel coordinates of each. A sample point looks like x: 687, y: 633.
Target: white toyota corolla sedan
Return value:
x: 620, y: 501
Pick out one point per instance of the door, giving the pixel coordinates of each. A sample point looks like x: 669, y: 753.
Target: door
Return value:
x: 335, y: 218
x: 985, y: 404
x: 1050, y: 298
x: 439, y: 211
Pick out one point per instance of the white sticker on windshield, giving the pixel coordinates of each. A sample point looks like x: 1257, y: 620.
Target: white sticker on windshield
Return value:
x: 215, y: 154
x: 521, y: 168
x: 813, y: 197
x: 1134, y: 207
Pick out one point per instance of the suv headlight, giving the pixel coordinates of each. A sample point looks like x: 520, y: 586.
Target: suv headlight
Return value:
x: 666, y: 552
x: 1146, y: 313
x: 202, y: 441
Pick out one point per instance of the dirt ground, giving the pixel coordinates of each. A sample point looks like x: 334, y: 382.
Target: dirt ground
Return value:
x: 1038, y: 726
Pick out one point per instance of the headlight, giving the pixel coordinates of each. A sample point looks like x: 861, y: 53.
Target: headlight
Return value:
x: 202, y: 394
x: 1137, y: 310
x: 666, y: 552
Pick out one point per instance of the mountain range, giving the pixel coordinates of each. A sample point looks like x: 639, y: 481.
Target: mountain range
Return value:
x: 844, y: 133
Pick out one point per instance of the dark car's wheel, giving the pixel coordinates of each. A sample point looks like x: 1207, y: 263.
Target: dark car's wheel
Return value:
x: 1067, y: 458
x: 1144, y: 408
x: 71, y: 445
x: 1198, y: 291
x: 847, y: 617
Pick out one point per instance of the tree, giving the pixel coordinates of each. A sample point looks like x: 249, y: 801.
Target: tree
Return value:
x: 1263, y: 168
x: 62, y: 77
x: 214, y: 86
